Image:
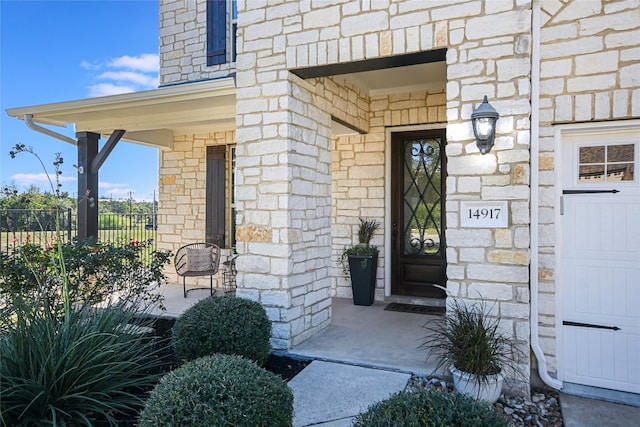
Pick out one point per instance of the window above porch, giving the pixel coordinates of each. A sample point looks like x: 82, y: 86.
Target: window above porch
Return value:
x: 222, y: 24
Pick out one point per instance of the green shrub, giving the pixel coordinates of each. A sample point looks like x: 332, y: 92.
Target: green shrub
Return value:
x: 227, y: 325
x: 91, y: 272
x: 220, y: 390
x: 79, y: 370
x: 430, y: 408
x: 111, y: 222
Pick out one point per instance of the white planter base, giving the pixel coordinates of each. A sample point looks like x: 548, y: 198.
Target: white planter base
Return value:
x: 466, y: 383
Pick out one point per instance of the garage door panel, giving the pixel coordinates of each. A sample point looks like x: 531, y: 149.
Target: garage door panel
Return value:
x: 602, y: 292
x: 585, y: 351
x: 601, y: 229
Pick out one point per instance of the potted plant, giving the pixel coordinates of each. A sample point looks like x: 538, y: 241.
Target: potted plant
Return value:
x: 469, y: 343
x: 360, y: 263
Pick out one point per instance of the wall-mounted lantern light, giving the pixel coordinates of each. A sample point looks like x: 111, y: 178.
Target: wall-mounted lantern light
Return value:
x: 484, y: 120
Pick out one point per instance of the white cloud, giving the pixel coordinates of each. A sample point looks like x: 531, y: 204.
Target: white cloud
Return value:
x: 104, y: 185
x: 140, y: 79
x: 107, y: 190
x: 123, y: 74
x: 40, y: 180
x: 147, y: 62
x: 104, y: 89
x: 118, y: 191
x: 88, y: 66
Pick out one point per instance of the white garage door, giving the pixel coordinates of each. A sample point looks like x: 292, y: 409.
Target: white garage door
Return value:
x: 600, y: 270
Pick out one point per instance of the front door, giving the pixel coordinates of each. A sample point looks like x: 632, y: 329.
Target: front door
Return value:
x: 417, y: 203
x: 600, y: 261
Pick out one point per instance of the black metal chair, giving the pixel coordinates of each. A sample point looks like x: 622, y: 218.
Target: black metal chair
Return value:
x: 196, y: 260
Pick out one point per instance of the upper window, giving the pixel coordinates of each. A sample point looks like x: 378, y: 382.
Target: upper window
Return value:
x: 222, y: 18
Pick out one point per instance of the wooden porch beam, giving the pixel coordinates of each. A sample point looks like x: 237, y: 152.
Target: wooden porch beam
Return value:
x: 115, y: 137
x: 89, y: 162
x: 87, y: 185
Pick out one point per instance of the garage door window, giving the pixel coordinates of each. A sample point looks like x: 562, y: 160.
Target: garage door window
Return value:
x: 606, y: 163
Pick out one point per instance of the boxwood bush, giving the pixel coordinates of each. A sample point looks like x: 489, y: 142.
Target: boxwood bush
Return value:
x: 430, y: 408
x: 227, y: 325
x: 219, y: 390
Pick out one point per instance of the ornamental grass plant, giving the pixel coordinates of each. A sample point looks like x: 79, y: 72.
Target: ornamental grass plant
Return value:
x: 366, y: 230
x: 88, y: 367
x: 470, y: 339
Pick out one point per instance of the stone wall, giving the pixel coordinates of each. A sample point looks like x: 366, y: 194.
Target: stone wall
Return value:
x: 284, y: 204
x: 183, y: 43
x: 300, y: 193
x: 589, y: 71
x: 182, y: 198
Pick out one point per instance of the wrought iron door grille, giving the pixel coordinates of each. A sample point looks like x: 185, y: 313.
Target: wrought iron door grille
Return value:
x: 422, y: 197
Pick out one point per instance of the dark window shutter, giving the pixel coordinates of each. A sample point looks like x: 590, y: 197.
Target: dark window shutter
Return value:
x: 216, y: 32
x: 215, y: 193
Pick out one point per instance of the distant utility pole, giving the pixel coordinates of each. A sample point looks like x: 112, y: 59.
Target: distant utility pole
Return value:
x: 130, y: 210
x: 153, y: 211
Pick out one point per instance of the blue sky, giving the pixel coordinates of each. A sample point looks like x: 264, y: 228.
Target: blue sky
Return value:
x: 53, y: 51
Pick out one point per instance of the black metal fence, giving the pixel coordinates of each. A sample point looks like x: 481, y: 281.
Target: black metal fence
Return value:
x: 22, y: 226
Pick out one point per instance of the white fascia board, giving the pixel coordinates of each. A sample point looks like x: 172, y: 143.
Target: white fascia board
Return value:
x: 61, y: 113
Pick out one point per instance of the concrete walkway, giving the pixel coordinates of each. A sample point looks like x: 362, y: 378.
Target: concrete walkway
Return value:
x: 585, y: 412
x: 332, y: 394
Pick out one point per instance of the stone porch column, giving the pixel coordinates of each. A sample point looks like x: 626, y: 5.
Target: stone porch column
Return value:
x: 283, y: 200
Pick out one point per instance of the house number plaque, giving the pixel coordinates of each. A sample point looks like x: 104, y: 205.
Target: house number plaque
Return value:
x: 480, y: 214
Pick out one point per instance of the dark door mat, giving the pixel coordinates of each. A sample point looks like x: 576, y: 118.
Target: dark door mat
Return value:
x: 413, y: 308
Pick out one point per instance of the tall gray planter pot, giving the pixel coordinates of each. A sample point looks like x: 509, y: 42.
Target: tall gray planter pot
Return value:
x: 363, y: 280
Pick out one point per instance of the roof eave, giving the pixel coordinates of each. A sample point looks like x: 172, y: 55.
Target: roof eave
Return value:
x: 102, y: 113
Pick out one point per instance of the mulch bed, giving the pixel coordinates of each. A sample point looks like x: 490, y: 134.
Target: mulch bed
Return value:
x: 284, y: 366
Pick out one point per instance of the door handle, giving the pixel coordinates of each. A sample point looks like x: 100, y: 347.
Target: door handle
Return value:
x: 394, y: 234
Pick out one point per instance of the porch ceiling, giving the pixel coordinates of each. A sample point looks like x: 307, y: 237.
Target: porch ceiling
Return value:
x: 387, y: 75
x: 420, y: 77
x: 398, y: 74
x: 430, y: 77
x: 150, y: 117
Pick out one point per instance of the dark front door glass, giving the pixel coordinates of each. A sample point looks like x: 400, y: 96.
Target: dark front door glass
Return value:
x: 418, y: 249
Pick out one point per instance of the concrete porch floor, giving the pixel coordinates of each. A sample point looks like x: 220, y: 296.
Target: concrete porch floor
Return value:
x: 372, y: 337
x: 359, y: 335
